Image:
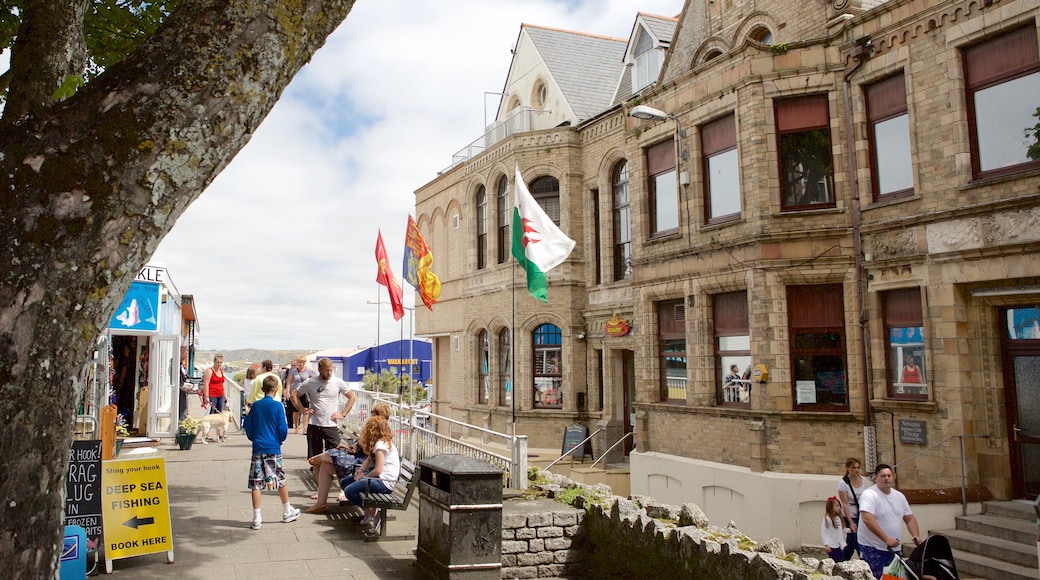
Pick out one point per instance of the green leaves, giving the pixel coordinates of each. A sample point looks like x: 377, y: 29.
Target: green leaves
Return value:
x: 115, y: 28
x: 68, y: 87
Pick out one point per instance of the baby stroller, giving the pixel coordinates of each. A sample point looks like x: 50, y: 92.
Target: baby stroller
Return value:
x: 933, y: 558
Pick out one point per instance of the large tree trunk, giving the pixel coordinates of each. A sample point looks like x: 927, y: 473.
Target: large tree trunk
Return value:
x: 88, y: 188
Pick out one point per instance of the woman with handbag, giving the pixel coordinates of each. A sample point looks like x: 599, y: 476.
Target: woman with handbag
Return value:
x: 850, y: 487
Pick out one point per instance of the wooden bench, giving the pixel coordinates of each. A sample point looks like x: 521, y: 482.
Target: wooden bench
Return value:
x: 396, y: 499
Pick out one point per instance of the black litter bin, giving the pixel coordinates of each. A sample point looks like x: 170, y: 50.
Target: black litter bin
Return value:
x: 460, y: 518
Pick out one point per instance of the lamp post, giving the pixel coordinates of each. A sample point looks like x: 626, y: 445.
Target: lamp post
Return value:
x: 649, y: 113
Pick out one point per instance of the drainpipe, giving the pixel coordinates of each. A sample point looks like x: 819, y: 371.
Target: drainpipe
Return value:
x: 859, y: 54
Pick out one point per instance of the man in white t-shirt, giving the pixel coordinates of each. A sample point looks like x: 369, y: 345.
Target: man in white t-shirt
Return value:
x: 323, y: 391
x: 882, y: 512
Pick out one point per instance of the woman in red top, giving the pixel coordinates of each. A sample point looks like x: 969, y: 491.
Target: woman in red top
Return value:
x: 911, y: 372
x: 213, y: 386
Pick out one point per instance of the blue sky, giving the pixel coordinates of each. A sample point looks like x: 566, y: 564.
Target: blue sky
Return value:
x: 279, y: 251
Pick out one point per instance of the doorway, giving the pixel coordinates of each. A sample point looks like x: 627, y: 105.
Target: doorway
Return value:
x: 125, y: 376
x: 628, y: 387
x: 1020, y: 342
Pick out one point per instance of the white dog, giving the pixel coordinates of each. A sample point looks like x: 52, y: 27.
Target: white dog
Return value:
x: 220, y: 422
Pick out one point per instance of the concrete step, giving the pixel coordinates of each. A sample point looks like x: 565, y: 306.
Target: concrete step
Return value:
x: 997, y: 548
x: 1011, y: 529
x: 979, y: 566
x: 1018, y: 509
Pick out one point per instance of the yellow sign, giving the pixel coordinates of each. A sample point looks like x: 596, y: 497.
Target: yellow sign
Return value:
x: 401, y: 361
x: 135, y: 508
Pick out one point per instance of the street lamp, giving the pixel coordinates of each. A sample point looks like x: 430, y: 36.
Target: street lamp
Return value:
x: 650, y: 114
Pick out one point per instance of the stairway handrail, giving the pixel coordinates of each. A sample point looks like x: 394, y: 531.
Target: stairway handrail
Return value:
x: 611, y: 448
x: 964, y: 486
x: 571, y: 452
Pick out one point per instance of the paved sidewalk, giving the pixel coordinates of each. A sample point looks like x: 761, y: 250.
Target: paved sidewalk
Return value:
x: 211, y: 512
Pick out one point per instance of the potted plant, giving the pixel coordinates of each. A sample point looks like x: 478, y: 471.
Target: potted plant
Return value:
x: 122, y: 432
x: 189, y: 426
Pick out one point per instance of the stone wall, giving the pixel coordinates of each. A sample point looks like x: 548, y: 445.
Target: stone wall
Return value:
x: 605, y: 536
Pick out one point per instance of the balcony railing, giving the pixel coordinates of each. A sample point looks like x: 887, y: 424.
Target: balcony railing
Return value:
x: 519, y: 120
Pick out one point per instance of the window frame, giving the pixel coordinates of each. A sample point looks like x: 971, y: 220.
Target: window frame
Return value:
x: 545, y: 189
x: 814, y: 310
x: 902, y: 310
x: 1028, y: 65
x: 504, y: 217
x: 482, y: 217
x: 505, y: 368
x: 546, y: 343
x: 731, y: 320
x: 802, y: 115
x: 483, y: 367
x: 622, y: 221
x: 671, y: 333
x: 718, y: 138
x: 886, y: 101
x: 662, y: 168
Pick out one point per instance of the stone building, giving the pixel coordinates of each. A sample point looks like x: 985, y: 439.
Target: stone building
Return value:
x: 842, y: 199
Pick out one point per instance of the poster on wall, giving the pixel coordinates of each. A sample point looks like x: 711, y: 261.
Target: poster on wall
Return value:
x: 139, y: 309
x: 806, y: 392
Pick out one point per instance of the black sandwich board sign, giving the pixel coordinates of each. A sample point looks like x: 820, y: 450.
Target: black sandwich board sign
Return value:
x: 83, y: 492
x: 573, y: 435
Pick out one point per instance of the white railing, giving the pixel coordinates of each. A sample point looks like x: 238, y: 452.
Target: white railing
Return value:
x: 519, y: 120
x: 419, y: 435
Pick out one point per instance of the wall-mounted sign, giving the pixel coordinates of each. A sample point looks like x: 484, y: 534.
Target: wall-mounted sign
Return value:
x: 914, y: 432
x: 618, y: 326
x: 152, y: 274
x: 139, y: 309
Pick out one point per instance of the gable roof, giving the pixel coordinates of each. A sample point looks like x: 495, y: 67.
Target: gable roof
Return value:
x: 661, y: 28
x: 585, y: 66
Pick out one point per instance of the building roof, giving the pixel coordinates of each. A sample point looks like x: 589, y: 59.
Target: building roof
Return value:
x: 585, y: 66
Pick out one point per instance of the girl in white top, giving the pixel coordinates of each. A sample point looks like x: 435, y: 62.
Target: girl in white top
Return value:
x: 832, y: 532
x: 380, y: 470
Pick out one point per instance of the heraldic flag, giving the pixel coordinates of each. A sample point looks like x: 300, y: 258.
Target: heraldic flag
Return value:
x: 386, y: 278
x: 417, y: 263
x: 538, y: 245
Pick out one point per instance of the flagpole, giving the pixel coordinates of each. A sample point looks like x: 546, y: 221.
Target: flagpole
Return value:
x: 379, y: 323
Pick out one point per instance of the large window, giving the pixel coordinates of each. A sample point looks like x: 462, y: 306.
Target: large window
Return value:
x: 732, y: 349
x: 904, y: 335
x: 504, y: 214
x: 548, y: 367
x: 505, y: 368
x: 483, y: 378
x: 482, y: 226
x: 817, y: 330
x: 889, y: 121
x: 804, y: 143
x: 1003, y: 81
x: 721, y: 170
x: 671, y: 323
x: 648, y: 61
x: 622, y: 223
x: 546, y: 191
x: 664, y: 188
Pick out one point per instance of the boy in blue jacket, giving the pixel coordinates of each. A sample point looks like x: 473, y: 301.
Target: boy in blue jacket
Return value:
x: 265, y: 426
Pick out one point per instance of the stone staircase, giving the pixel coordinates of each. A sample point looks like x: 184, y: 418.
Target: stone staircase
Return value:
x: 999, y: 544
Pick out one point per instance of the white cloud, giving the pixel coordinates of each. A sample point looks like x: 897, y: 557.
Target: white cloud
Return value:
x: 279, y: 251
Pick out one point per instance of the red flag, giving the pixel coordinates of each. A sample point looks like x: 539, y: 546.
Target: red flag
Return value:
x: 386, y: 278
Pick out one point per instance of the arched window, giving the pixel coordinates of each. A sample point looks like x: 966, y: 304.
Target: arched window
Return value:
x: 483, y: 379
x: 482, y: 226
x: 540, y: 94
x: 622, y: 223
x: 546, y: 191
x: 505, y: 368
x: 761, y: 34
x: 504, y: 215
x: 548, y: 367
x: 712, y: 55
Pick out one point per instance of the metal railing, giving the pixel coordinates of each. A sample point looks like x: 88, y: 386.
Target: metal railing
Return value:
x: 574, y: 449
x: 611, y: 448
x: 519, y: 120
x: 964, y: 486
x: 420, y: 434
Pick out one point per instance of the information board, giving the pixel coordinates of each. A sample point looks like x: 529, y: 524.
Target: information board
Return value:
x: 136, y: 509
x: 83, y: 491
x: 913, y: 432
x: 572, y: 438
